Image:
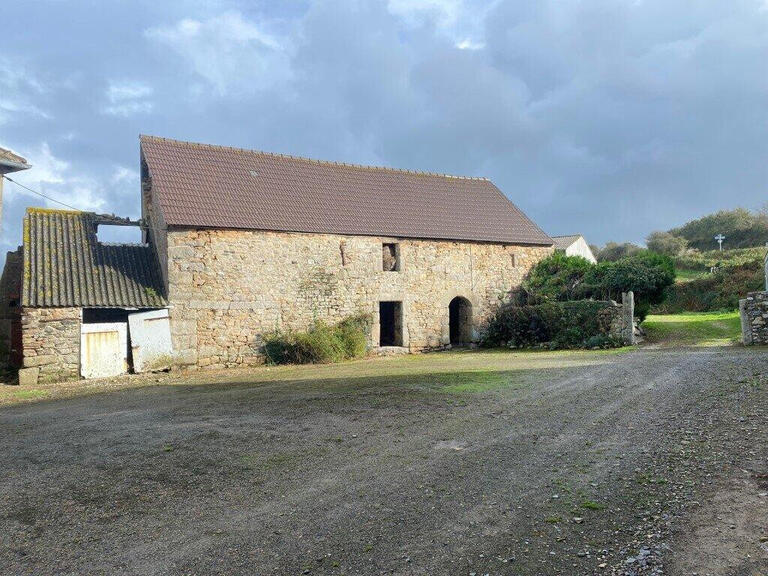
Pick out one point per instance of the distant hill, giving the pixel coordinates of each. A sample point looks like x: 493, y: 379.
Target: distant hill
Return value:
x: 741, y: 228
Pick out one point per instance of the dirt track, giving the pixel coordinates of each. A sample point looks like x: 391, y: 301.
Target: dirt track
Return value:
x: 535, y: 464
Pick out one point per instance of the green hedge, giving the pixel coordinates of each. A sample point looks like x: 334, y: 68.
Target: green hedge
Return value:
x: 573, y: 324
x: 564, y: 278
x: 320, y: 344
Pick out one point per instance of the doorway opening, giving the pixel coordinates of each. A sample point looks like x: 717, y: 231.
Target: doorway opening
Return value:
x: 460, y: 320
x: 390, y: 323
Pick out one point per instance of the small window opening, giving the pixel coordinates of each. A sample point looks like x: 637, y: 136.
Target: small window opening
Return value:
x: 390, y: 257
x: 107, y: 233
x: 514, y: 260
x: 390, y: 323
x: 343, y: 251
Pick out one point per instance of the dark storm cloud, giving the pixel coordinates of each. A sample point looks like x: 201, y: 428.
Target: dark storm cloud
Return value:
x: 609, y: 118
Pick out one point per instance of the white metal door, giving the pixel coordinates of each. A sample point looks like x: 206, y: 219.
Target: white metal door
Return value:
x: 150, y: 340
x: 103, y: 350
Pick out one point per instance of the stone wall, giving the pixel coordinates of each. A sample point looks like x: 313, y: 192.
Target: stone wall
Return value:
x: 227, y: 288
x: 754, y: 318
x: 10, y: 297
x: 51, y: 344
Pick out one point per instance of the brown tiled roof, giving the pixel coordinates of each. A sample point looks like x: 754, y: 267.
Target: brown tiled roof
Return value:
x: 200, y: 185
x: 66, y: 265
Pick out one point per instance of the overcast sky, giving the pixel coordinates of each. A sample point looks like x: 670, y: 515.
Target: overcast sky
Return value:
x: 609, y: 118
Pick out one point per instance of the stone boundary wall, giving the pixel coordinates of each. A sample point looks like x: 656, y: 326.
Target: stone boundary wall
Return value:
x: 754, y: 318
x: 51, y: 344
x: 227, y: 288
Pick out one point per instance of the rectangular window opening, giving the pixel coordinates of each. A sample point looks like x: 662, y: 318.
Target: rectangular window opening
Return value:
x: 113, y: 234
x: 390, y: 253
x: 390, y: 323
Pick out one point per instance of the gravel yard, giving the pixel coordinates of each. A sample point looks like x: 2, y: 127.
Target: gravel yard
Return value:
x: 637, y: 462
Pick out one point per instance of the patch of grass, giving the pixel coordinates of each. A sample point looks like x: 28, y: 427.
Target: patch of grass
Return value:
x: 553, y: 519
x: 592, y: 505
x: 694, y: 328
x: 29, y: 394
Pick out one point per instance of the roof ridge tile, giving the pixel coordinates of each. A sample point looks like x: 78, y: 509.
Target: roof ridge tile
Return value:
x: 310, y: 160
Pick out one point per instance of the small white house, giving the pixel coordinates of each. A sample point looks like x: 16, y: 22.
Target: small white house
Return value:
x: 574, y: 245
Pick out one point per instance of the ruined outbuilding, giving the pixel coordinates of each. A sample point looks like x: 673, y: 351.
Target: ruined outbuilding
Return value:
x: 75, y: 292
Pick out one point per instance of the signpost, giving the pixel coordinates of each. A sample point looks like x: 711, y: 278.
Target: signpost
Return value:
x: 720, y: 239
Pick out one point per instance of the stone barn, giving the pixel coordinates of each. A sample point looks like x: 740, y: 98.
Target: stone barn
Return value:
x: 238, y: 243
x: 249, y: 242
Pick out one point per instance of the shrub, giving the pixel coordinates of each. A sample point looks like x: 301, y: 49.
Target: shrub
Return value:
x: 353, y: 333
x: 646, y: 274
x: 576, y: 324
x: 613, y: 251
x: 320, y: 344
x: 666, y: 243
x: 562, y: 278
x: 558, y: 277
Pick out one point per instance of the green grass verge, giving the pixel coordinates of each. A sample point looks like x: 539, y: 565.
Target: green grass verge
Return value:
x: 684, y: 275
x: 32, y: 393
x: 693, y: 329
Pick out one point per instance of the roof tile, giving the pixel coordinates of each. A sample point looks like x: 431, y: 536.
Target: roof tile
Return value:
x: 200, y: 185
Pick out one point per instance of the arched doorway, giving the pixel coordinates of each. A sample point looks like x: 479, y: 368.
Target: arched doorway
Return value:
x: 460, y: 320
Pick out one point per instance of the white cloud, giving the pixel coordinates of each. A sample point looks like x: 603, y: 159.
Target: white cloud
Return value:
x: 55, y: 178
x: 123, y: 174
x: 461, y: 21
x: 235, y: 55
x: 126, y: 98
x: 17, y: 88
x: 469, y: 44
x: 445, y: 13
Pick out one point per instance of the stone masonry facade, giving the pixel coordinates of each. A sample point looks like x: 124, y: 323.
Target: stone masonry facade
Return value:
x: 754, y: 318
x: 227, y: 288
x: 51, y: 344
